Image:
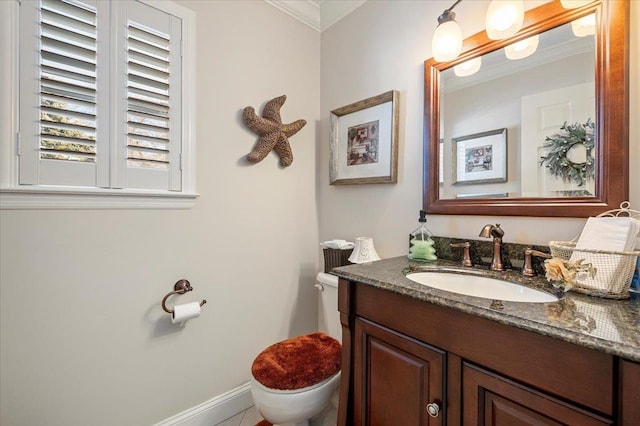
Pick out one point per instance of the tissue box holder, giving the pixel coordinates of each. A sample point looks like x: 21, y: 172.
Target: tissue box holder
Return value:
x: 617, y: 264
x: 335, y: 257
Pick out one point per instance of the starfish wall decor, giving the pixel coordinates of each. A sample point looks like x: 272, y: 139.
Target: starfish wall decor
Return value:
x: 273, y: 134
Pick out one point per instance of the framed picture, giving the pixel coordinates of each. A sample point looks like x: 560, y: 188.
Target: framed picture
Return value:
x: 480, y: 158
x: 364, y: 146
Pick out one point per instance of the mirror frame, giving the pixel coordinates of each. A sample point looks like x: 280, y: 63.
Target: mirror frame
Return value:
x: 612, y: 117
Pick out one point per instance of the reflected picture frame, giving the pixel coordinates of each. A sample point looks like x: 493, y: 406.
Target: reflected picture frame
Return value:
x: 364, y: 141
x: 480, y: 158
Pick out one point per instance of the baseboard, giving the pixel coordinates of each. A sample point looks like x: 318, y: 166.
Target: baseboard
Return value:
x: 215, y: 410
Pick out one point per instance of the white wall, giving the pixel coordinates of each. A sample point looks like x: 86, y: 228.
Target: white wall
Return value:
x: 382, y: 46
x: 84, y: 340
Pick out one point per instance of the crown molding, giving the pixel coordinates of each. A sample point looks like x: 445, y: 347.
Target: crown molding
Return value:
x: 306, y: 11
x: 333, y: 11
x: 318, y: 14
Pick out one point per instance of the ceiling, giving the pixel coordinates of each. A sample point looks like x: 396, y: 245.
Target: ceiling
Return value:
x: 318, y: 14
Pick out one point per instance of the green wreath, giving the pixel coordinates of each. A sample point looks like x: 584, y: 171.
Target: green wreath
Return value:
x: 561, y: 143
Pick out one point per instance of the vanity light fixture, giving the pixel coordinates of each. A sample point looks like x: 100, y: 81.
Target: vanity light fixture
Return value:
x: 522, y: 48
x: 504, y: 18
x: 447, y: 39
x: 468, y: 68
x: 573, y: 4
x: 584, y: 26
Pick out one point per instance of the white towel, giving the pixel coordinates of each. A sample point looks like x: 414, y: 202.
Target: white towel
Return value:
x: 338, y: 244
x: 611, y: 234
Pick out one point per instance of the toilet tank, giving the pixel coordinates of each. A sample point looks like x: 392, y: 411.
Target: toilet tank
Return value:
x: 328, y: 316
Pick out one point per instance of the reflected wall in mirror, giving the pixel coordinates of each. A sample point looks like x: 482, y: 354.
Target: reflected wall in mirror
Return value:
x: 560, y: 89
x: 532, y: 97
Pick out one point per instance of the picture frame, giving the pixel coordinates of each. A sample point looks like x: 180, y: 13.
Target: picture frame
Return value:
x: 364, y: 141
x: 480, y: 158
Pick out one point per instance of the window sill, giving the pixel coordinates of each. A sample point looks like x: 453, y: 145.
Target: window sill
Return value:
x: 30, y: 198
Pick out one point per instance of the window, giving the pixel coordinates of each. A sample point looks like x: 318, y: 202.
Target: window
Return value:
x: 104, y: 105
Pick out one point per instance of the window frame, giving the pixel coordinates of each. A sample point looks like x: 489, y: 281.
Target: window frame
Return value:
x: 16, y: 196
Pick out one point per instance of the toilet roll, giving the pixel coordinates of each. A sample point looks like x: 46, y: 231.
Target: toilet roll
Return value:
x: 183, y: 313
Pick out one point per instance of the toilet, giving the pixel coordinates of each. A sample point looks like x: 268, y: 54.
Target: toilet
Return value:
x: 295, y: 381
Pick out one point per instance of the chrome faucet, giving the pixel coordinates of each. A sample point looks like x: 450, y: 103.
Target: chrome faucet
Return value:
x: 497, y: 233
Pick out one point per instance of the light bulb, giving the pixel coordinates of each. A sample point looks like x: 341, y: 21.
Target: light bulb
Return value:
x: 522, y: 48
x: 504, y: 18
x: 584, y: 26
x: 447, y: 41
x: 572, y: 4
x: 468, y: 68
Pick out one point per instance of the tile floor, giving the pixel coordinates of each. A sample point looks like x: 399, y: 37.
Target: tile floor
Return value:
x: 251, y: 416
x: 247, y: 418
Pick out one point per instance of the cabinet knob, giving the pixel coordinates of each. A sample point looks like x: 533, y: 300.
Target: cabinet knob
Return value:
x: 433, y: 409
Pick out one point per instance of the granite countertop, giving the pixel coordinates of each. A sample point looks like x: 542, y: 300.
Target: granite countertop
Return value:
x: 611, y: 326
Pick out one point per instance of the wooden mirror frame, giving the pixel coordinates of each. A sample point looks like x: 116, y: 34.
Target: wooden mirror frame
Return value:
x: 612, y: 117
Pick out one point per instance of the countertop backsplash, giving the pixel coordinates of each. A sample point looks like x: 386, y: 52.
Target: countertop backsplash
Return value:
x: 482, y: 252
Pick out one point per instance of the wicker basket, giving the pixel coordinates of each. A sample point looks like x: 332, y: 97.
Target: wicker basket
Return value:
x: 335, y: 257
x: 615, y: 269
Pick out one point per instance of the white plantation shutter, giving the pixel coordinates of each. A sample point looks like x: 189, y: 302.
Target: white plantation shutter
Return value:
x: 59, y: 94
x: 152, y: 123
x: 68, y: 82
x: 100, y: 95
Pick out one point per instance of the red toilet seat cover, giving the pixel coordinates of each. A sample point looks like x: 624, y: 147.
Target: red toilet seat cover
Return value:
x: 298, y: 362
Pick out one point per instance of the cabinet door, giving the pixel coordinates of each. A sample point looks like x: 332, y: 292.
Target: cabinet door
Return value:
x: 630, y: 393
x: 489, y: 399
x: 396, y: 379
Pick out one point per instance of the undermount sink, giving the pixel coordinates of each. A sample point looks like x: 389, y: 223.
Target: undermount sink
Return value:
x: 480, y: 286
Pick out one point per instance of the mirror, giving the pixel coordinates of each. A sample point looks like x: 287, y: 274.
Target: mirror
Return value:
x: 544, y: 134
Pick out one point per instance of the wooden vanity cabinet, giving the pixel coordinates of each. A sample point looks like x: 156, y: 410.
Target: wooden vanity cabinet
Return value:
x: 395, y: 378
x: 629, y: 393
x: 490, y: 399
x: 401, y: 354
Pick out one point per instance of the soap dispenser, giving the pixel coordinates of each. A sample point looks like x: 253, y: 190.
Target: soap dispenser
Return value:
x: 421, y: 247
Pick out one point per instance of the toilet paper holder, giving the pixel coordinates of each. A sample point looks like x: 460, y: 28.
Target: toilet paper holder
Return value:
x: 180, y: 287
